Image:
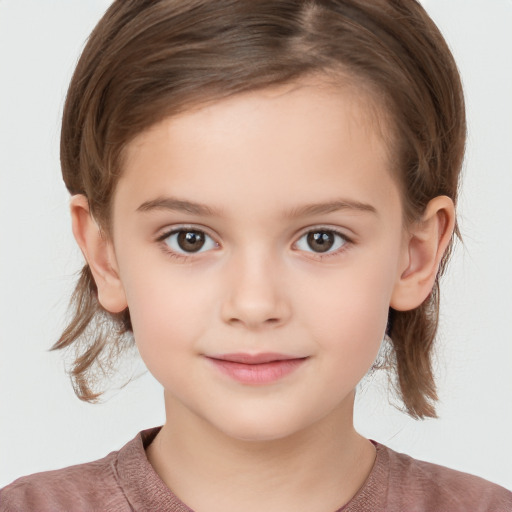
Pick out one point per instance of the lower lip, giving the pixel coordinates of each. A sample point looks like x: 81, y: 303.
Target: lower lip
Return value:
x: 263, y: 373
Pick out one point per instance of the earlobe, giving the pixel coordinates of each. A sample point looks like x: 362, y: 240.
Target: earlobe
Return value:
x: 99, y: 253
x: 423, y: 251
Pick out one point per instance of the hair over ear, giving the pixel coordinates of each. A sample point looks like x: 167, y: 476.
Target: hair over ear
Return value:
x: 416, y: 298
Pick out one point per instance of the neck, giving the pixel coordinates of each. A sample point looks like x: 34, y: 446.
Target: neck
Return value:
x: 318, y: 468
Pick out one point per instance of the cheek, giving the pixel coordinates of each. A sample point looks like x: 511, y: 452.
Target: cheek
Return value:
x: 347, y: 310
x: 169, y: 313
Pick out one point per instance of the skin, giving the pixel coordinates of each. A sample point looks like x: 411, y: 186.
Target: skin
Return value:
x: 257, y: 286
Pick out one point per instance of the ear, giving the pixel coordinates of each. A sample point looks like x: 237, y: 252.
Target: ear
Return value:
x: 426, y: 243
x: 99, y: 253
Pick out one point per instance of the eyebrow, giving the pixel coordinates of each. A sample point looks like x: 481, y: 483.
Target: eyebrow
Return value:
x: 193, y: 208
x: 179, y: 205
x: 329, y: 207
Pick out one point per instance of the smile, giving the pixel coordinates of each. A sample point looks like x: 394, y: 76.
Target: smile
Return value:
x: 258, y: 368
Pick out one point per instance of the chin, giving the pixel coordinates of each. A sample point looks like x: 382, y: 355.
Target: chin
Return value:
x: 264, y: 428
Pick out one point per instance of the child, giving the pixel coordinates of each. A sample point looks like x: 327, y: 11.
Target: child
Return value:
x: 262, y: 191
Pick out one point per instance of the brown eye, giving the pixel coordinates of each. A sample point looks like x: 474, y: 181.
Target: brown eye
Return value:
x: 188, y: 241
x: 321, y: 241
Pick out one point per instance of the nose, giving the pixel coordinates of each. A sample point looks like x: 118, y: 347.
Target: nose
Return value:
x: 257, y: 296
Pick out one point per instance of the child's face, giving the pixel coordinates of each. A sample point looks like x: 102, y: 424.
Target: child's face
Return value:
x: 257, y: 283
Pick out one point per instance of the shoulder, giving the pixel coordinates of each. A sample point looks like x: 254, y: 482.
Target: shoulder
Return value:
x: 89, y: 486
x: 79, y: 487
x: 419, y: 485
x: 122, y: 481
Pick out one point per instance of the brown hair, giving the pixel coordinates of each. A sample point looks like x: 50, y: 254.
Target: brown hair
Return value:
x: 148, y: 59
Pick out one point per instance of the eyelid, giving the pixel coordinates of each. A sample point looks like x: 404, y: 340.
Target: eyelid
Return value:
x: 326, y: 227
x: 165, y: 232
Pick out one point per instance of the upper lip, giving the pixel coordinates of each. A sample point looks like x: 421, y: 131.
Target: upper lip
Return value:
x: 261, y: 358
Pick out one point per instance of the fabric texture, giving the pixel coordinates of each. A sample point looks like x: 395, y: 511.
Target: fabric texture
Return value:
x: 125, y: 481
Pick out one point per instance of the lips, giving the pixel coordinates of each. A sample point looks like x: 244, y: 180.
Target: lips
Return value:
x: 263, y: 368
x: 266, y: 357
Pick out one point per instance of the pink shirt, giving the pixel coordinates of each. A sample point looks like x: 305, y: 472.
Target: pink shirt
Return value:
x: 125, y: 481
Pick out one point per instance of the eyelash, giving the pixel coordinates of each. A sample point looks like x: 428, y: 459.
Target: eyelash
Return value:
x: 176, y: 255
x: 186, y: 257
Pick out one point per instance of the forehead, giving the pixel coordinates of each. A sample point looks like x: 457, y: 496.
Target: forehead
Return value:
x: 298, y: 99
x: 283, y: 143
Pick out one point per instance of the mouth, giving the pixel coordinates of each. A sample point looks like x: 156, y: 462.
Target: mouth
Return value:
x: 263, y: 368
